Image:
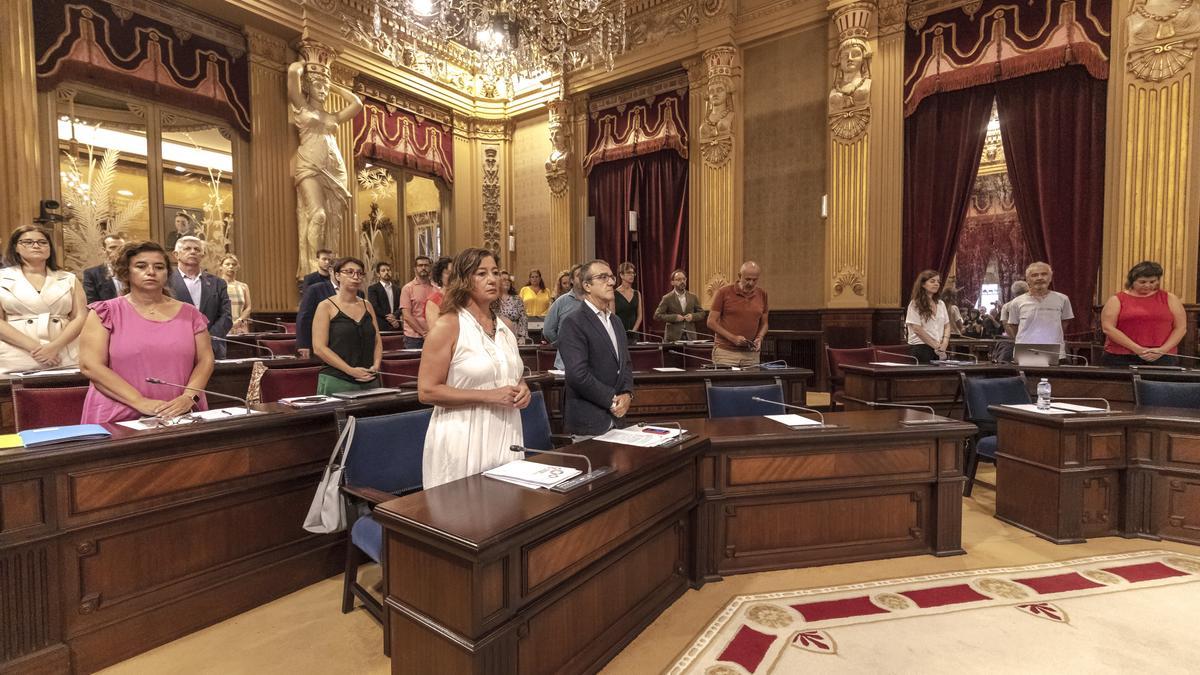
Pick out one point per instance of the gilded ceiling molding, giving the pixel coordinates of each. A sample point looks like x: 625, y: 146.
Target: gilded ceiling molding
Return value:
x: 343, y: 75
x: 184, y: 22
x: 491, y: 200
x: 891, y: 16
x: 850, y: 97
x: 558, y: 163
x: 720, y: 103
x: 266, y: 49
x: 388, y: 95
x: 645, y: 91
x: 1163, y: 38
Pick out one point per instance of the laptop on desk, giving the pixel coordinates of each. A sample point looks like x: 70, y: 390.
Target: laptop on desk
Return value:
x: 1033, y: 354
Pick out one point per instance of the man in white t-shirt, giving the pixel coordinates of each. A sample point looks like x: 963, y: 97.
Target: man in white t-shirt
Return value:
x: 1041, y: 315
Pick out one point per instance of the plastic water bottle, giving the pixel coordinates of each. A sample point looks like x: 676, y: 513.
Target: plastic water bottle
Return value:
x: 1043, y: 392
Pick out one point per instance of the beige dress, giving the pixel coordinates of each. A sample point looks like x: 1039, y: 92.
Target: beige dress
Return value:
x: 466, y: 440
x: 40, y: 315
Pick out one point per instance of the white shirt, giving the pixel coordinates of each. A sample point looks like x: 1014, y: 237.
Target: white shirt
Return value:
x: 193, y: 285
x: 1040, y: 319
x: 115, y: 281
x: 388, y: 289
x: 604, y: 319
x: 934, y: 326
x: 682, y: 298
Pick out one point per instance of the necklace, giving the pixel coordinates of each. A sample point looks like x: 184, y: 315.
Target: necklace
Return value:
x: 1141, y: 9
x: 150, y: 308
x: 484, y: 323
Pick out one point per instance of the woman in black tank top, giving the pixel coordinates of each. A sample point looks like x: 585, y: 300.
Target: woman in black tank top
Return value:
x: 345, y: 336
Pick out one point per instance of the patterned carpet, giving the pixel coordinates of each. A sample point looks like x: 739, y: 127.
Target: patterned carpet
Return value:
x: 1114, y: 613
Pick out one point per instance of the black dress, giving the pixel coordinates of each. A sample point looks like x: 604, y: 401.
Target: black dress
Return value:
x: 627, y: 310
x: 353, y: 341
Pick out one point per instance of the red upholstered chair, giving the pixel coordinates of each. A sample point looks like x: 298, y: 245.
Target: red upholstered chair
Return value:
x: 280, y: 347
x: 836, y: 358
x: 280, y: 383
x: 545, y: 359
x: 37, y: 407
x: 392, y: 343
x: 893, y: 353
x: 289, y: 328
x: 400, y: 367
x: 646, y: 358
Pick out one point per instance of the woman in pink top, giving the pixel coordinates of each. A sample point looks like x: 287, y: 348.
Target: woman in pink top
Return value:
x: 145, y: 333
x: 1143, y: 323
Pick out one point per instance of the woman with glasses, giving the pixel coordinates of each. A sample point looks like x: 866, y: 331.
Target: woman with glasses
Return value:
x: 42, y: 309
x: 345, y: 334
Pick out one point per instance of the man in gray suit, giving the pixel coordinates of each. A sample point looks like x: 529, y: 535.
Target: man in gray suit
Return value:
x: 207, y: 293
x: 678, y: 309
x: 599, y: 373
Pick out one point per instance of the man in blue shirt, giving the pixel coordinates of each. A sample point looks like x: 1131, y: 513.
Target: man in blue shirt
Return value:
x: 563, y: 305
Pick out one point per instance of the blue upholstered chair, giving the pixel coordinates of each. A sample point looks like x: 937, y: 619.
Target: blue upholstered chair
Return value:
x: 535, y: 422
x: 737, y: 401
x: 1165, y: 394
x: 978, y: 394
x: 384, y: 461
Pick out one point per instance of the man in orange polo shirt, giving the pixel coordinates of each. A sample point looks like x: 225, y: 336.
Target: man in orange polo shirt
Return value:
x: 738, y: 319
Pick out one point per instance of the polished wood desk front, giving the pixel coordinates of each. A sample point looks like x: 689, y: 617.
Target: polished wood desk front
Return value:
x: 483, y: 576
x: 940, y: 386
x: 110, y: 548
x: 1067, y: 478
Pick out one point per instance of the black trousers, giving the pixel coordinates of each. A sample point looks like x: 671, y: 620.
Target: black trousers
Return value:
x: 923, y: 353
x: 1126, y: 360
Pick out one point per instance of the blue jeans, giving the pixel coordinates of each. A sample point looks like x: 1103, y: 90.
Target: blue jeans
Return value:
x: 413, y: 343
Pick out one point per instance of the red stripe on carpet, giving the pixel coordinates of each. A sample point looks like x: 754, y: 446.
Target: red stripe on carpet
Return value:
x: 838, y: 609
x: 1145, y: 572
x: 1059, y: 583
x: 944, y: 595
x: 747, y: 648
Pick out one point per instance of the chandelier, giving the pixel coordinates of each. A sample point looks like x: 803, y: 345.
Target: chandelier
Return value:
x: 511, y: 39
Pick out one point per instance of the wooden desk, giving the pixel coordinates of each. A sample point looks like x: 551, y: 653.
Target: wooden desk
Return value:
x: 484, y: 576
x: 1067, y: 478
x: 110, y: 548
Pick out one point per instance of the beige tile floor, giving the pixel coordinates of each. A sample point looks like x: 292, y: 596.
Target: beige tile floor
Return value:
x: 306, y: 633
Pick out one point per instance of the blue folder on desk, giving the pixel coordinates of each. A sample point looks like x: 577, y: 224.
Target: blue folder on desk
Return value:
x: 75, y: 432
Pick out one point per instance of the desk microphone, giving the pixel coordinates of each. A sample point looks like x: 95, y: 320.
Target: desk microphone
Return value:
x: 710, y: 336
x: 1068, y: 355
x: 709, y: 363
x: 568, y: 485
x: 796, y: 407
x: 958, y: 354
x: 244, y: 344
x: 1107, y: 405
x: 380, y: 373
x: 906, y: 356
x: 910, y: 406
x: 267, y: 323
x: 649, y: 335
x: 155, y: 380
x: 678, y: 438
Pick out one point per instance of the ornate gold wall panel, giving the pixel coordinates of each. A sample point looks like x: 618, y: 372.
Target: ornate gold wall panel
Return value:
x: 1152, y: 196
x: 847, y: 238
x: 886, y: 220
x: 20, y: 158
x: 269, y: 242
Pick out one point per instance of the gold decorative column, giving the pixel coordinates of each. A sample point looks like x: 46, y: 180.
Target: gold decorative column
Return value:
x: 348, y: 241
x: 1152, y: 194
x: 847, y: 232
x: 715, y: 181
x: 886, y: 220
x: 269, y: 240
x: 562, y: 167
x: 20, y: 159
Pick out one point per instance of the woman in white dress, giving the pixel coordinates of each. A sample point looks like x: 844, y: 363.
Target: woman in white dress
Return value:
x: 42, y: 309
x: 471, y: 372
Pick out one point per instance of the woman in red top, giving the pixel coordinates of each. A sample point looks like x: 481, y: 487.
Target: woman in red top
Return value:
x: 1144, y: 323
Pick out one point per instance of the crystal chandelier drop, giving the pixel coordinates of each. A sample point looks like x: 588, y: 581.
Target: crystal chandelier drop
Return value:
x: 511, y: 39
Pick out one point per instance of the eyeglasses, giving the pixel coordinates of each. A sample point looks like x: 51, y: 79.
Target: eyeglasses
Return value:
x: 33, y: 243
x: 602, y: 278
x: 353, y: 274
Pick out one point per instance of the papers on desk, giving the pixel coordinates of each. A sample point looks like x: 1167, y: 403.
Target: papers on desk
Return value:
x: 1029, y: 407
x: 225, y: 413
x: 532, y: 474
x: 1075, y: 408
x: 642, y: 435
x: 75, y: 432
x: 669, y: 370
x: 8, y: 441
x: 953, y: 362
x: 891, y: 363
x: 308, y: 401
x: 794, y: 420
x: 201, y: 416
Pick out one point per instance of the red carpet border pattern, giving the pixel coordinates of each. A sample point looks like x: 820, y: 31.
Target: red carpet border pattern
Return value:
x: 770, y: 632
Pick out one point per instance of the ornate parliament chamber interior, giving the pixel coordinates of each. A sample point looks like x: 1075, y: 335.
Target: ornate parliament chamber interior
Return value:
x: 627, y: 336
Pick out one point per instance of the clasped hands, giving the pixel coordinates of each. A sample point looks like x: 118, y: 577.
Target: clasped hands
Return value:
x: 512, y: 396
x: 747, y: 343
x: 620, y: 404
x: 1148, y: 354
x: 180, y: 405
x: 46, y: 355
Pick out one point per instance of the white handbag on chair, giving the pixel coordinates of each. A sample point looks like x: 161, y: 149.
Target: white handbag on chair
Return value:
x: 327, y: 514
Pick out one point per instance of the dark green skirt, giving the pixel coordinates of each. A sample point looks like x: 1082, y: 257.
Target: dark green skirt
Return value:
x: 330, y: 384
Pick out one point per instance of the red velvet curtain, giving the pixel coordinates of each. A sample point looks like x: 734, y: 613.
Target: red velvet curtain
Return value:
x: 655, y: 186
x: 983, y: 239
x: 1053, y: 127
x: 943, y: 143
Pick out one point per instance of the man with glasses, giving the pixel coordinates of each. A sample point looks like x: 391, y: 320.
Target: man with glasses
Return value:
x: 599, y: 372
x: 412, y: 303
x: 99, y: 282
x: 206, y: 292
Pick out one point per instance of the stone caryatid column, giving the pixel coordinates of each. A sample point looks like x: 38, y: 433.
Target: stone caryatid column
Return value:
x: 1152, y: 190
x: 847, y: 238
x: 561, y: 170
x: 323, y: 197
x: 715, y: 239
x: 20, y: 159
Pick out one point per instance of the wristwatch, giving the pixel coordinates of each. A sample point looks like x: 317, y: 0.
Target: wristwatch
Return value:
x: 195, y: 398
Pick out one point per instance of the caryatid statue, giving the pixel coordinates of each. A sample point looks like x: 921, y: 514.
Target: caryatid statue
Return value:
x: 560, y: 143
x: 322, y: 195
